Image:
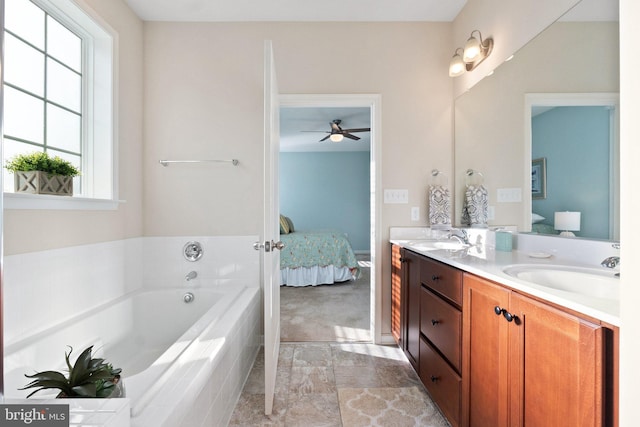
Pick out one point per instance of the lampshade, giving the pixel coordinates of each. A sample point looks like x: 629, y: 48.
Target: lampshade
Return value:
x: 336, y: 137
x: 566, y: 222
x: 457, y: 65
x: 472, y: 50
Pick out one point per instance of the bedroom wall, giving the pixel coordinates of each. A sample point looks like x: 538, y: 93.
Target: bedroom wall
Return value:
x: 328, y: 190
x: 561, y: 135
x: 36, y: 230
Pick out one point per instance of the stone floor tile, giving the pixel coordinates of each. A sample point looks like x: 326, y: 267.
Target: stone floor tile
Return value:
x: 313, y: 410
x: 312, y: 380
x: 312, y: 355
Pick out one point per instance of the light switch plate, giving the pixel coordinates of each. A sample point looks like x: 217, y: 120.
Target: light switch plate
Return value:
x: 396, y: 196
x: 509, y: 195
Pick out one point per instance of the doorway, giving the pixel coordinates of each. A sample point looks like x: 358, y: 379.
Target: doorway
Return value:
x: 349, y: 106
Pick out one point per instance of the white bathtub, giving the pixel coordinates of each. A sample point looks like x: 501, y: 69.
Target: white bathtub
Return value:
x: 182, y: 363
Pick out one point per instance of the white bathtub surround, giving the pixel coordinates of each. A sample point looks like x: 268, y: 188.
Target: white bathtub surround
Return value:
x: 226, y: 260
x: 47, y: 293
x: 49, y: 287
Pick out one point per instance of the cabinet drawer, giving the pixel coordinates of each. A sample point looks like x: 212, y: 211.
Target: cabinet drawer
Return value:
x: 441, y: 323
x: 444, y: 385
x: 442, y: 279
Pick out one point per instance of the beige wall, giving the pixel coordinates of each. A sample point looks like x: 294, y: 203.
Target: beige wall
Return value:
x: 489, y: 119
x: 33, y: 230
x: 203, y: 99
x: 511, y: 24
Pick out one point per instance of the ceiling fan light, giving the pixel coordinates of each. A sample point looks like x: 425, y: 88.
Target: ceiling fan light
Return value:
x: 456, y: 66
x: 336, y: 137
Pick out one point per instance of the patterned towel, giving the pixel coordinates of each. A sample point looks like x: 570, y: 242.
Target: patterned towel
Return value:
x: 439, y: 206
x: 475, y: 206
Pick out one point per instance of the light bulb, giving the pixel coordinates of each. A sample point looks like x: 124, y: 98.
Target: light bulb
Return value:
x: 472, y: 50
x: 336, y: 137
x: 456, y: 66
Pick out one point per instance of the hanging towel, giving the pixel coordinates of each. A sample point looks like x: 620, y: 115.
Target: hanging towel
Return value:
x: 439, y: 206
x: 475, y: 206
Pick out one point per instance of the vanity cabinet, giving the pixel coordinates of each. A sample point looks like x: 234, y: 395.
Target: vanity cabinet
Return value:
x: 426, y: 320
x: 526, y: 363
x: 441, y: 336
x: 405, y: 302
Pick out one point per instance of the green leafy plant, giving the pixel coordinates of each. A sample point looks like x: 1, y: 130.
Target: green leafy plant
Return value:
x: 39, y: 161
x: 88, y: 377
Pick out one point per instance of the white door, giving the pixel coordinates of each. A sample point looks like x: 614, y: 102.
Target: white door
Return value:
x: 271, y: 229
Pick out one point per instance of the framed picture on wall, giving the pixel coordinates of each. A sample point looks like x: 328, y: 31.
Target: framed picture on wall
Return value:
x: 539, y: 178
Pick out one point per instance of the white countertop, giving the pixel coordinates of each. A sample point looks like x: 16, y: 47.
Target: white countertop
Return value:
x: 484, y: 261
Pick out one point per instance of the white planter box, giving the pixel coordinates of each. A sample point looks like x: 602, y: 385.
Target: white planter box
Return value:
x: 38, y: 182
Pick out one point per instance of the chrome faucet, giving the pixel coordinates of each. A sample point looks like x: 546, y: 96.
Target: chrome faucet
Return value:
x: 460, y: 235
x: 191, y: 275
x: 611, y: 262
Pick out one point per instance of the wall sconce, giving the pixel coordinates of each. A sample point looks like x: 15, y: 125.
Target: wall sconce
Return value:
x: 475, y: 51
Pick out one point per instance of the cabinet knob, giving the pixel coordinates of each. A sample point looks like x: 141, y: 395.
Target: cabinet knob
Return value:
x: 434, y: 378
x: 510, y: 317
x: 434, y: 277
x: 434, y: 322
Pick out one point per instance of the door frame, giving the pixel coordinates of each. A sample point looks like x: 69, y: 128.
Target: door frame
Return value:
x: 373, y: 102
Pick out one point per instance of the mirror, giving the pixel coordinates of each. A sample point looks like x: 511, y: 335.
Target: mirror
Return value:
x: 573, y: 63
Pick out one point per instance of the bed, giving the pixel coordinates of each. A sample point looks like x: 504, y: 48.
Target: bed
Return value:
x: 317, y: 257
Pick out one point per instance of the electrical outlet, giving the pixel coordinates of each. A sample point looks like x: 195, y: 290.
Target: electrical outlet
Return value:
x: 491, y: 213
x: 415, y: 213
x: 396, y: 196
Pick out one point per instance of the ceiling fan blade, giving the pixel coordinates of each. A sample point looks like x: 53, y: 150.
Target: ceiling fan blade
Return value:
x: 325, y: 138
x: 322, y: 131
x: 348, y: 135
x: 357, y: 130
x: 335, y: 127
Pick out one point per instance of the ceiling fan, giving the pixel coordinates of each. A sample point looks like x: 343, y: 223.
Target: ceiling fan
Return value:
x: 337, y: 133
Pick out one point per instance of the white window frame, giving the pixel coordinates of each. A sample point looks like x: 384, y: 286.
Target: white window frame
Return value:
x: 99, y: 139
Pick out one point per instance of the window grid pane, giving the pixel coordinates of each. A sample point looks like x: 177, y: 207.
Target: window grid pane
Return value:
x: 43, y: 87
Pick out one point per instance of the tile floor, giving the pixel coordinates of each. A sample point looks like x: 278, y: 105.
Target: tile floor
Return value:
x: 338, y: 384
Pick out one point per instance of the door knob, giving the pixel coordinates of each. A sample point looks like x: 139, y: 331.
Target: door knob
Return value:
x: 277, y: 245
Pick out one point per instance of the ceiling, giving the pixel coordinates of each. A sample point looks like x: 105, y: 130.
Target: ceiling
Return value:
x: 295, y: 122
x: 296, y: 10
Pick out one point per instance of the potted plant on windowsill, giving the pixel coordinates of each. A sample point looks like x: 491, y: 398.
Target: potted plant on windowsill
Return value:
x: 88, y: 377
x: 38, y: 173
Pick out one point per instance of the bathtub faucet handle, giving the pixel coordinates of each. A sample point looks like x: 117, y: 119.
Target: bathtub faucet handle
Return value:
x: 191, y: 275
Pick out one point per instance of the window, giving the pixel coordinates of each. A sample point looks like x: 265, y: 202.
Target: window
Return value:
x: 58, y: 81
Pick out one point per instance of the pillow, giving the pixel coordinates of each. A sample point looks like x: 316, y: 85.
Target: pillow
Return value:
x: 284, y: 225
x: 536, y: 218
x: 291, y: 230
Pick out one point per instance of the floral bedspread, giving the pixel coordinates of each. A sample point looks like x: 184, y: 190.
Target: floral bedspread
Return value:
x: 318, y: 247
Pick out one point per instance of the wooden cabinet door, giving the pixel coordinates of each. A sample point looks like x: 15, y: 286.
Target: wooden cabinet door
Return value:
x: 485, y: 365
x: 557, y: 372
x: 411, y: 265
x: 396, y: 294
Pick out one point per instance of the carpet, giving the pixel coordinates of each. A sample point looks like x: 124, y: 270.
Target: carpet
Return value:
x: 337, y: 312
x: 388, y: 407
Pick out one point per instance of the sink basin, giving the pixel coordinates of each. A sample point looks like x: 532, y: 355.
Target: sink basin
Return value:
x: 591, y: 282
x: 451, y: 245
